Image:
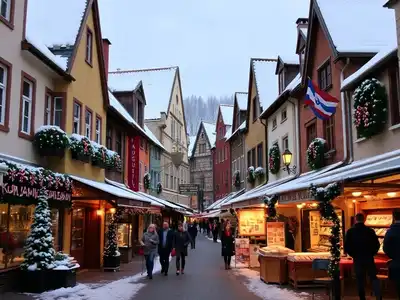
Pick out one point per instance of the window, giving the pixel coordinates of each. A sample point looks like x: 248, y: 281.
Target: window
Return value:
x: 311, y: 130
x: 47, y: 109
x: 77, y: 117
x: 285, y: 143
x: 329, y: 131
x: 140, y: 173
x: 274, y: 123
x: 98, y: 130
x: 109, y: 138
x: 325, y: 76
x: 88, y: 124
x: 89, y: 46
x: 281, y: 81
x: 6, y: 12
x: 394, y: 94
x: 171, y: 184
x: 140, y: 113
x: 27, y: 106
x: 253, y: 157
x: 260, y: 155
x: 302, y: 59
x: 166, y: 180
x: 5, y: 80
x: 173, y: 129
x: 248, y: 158
x: 118, y: 143
x: 177, y: 99
x: 202, y: 148
x: 283, y: 115
x: 255, y: 110
x: 57, y: 111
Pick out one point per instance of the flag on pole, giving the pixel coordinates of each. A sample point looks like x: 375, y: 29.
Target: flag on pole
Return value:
x: 321, y: 103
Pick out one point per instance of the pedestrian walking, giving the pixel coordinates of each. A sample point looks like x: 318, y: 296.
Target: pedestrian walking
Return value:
x: 362, y: 245
x: 180, y: 243
x: 166, y: 236
x: 150, y: 242
x: 193, y: 234
x: 215, y: 231
x: 391, y: 246
x: 227, y: 245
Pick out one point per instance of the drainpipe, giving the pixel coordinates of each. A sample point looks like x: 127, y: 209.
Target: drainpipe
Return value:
x: 346, y: 119
x: 297, y: 133
x: 266, y: 147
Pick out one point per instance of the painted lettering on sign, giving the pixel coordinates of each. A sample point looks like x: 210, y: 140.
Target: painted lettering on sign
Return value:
x: 133, y: 161
x: 31, y: 192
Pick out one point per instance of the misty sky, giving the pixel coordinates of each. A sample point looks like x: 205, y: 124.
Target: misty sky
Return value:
x: 211, y: 41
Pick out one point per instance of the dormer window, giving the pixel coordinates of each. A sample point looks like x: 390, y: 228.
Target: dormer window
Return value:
x: 281, y: 81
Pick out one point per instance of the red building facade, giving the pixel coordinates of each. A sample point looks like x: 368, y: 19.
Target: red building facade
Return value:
x: 222, y: 153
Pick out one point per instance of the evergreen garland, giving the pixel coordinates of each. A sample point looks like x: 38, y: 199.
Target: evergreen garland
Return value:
x: 146, y: 181
x: 325, y: 196
x: 274, y: 159
x: 51, y: 137
x: 370, y: 108
x: 316, y: 154
x: 39, y: 249
x: 111, y: 248
x: 271, y: 203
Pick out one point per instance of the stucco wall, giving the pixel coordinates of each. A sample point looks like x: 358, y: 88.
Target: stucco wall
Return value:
x: 144, y: 161
x: 284, y: 128
x: 238, y: 159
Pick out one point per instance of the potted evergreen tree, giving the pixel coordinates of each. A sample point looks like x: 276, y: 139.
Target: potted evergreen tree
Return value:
x: 111, y: 256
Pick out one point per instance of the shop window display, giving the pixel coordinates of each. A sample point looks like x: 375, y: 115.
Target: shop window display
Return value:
x: 380, y: 222
x: 78, y: 226
x: 124, y: 233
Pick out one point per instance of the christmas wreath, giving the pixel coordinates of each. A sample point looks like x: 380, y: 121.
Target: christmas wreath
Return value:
x: 325, y: 196
x: 271, y: 202
x: 81, y: 147
x: 51, y: 140
x: 316, y: 154
x: 370, y: 108
x: 274, y: 159
x: 99, y: 156
x: 146, y: 181
x: 236, y: 178
x: 251, y: 177
x: 159, y: 188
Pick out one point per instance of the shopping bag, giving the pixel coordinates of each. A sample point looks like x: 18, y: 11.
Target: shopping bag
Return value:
x: 141, y: 251
x: 173, y: 252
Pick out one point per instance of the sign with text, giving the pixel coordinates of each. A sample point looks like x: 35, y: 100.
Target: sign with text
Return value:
x: 133, y: 163
x: 251, y: 222
x: 276, y: 234
x: 31, y: 192
x: 242, y: 252
x: 188, y: 189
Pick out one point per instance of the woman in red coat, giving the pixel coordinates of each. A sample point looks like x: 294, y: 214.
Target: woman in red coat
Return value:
x: 227, y: 243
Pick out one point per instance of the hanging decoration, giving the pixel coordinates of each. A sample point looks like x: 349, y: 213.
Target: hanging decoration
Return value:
x: 316, y: 154
x: 271, y: 203
x: 325, y: 196
x: 146, y: 181
x: 370, y: 108
x: 81, y: 147
x: 159, y: 188
x: 99, y: 157
x: 251, y: 177
x: 274, y: 159
x: 236, y: 178
x: 51, y: 141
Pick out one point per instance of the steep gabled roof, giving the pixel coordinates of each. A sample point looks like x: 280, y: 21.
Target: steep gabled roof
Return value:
x: 209, y: 129
x: 226, y: 111
x: 192, y: 141
x: 157, y: 85
x: 282, y: 61
x: 241, y: 100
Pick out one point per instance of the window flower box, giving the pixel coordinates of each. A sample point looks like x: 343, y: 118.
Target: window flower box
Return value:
x: 51, y: 141
x: 81, y: 148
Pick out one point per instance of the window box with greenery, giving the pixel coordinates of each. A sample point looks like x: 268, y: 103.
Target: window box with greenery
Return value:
x: 236, y: 178
x: 251, y: 177
x: 81, y: 148
x: 159, y: 188
x: 316, y: 154
x: 259, y: 172
x: 146, y: 181
x: 51, y: 141
x: 99, y: 156
x: 114, y: 161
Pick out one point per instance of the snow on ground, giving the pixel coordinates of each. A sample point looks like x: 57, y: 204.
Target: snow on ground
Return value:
x: 267, y: 291
x: 123, y: 289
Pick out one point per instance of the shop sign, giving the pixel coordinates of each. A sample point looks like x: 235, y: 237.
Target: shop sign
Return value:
x: 133, y: 163
x: 188, y: 189
x: 251, y: 222
x: 295, y: 196
x: 276, y: 234
x: 32, y: 192
x: 242, y: 252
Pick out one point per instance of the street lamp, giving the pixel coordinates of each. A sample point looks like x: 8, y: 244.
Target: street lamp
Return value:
x: 287, y: 160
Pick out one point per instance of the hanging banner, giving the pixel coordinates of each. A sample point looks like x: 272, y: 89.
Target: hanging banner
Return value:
x: 321, y: 103
x: 242, y: 252
x: 133, y: 163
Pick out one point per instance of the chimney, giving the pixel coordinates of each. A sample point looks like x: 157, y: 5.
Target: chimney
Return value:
x: 106, y: 52
x: 302, y: 23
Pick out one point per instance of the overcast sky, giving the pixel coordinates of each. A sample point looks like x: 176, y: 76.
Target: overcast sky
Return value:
x: 211, y: 41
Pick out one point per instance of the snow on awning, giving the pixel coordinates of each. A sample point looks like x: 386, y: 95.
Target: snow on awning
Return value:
x: 218, y: 204
x: 161, y: 201
x: 110, y: 189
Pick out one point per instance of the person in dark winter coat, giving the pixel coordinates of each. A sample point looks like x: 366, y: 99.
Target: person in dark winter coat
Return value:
x: 166, y: 236
x: 180, y: 243
x: 215, y: 231
x: 227, y: 245
x: 391, y: 246
x: 193, y: 234
x: 362, y: 245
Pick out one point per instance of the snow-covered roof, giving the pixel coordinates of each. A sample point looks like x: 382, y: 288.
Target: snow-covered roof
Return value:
x: 217, y: 204
x: 227, y: 113
x: 52, y: 23
x: 209, y: 128
x: 241, y: 127
x: 304, y: 30
x: 228, y: 133
x: 110, y: 189
x: 241, y: 98
x: 114, y: 103
x: 373, y: 63
x: 157, y: 86
x: 266, y: 81
x: 368, y: 34
x: 290, y: 59
x: 192, y: 141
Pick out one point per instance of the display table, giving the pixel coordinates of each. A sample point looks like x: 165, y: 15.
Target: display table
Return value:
x: 273, y: 266
x: 301, y: 273
x: 346, y: 265
x: 126, y: 254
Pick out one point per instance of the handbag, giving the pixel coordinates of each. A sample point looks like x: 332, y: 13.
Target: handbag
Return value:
x: 173, y: 253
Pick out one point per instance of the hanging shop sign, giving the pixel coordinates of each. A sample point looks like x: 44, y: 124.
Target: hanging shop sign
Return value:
x: 133, y: 163
x: 251, y: 222
x: 276, y: 234
x: 188, y: 189
x: 295, y: 196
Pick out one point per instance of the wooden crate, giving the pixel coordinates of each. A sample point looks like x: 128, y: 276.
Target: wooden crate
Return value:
x: 273, y: 269
x: 301, y: 273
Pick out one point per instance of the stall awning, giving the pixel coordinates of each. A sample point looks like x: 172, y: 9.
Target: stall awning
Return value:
x: 219, y: 203
x: 112, y: 190
x: 163, y: 202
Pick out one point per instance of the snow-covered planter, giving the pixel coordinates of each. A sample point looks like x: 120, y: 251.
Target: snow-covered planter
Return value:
x: 114, y: 161
x: 99, y: 156
x: 159, y: 188
x: 370, y: 108
x: 111, y: 256
x: 274, y: 162
x: 316, y: 154
x: 51, y: 141
x: 236, y: 178
x: 259, y: 172
x: 251, y: 177
x: 146, y: 181
x: 81, y: 148
x: 64, y: 274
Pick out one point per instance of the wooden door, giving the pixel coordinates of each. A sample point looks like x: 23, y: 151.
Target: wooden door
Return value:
x: 305, y: 231
x: 92, y: 240
x: 78, y: 235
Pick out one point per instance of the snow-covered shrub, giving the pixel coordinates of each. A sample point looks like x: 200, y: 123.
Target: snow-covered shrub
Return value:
x: 99, y: 156
x: 51, y: 139
x: 63, y: 261
x: 159, y: 188
x: 114, y: 161
x: 259, y: 172
x: 251, y: 177
x: 236, y: 178
x: 80, y: 146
